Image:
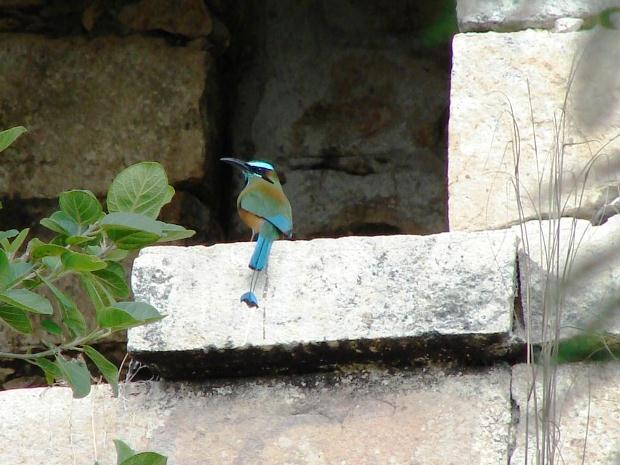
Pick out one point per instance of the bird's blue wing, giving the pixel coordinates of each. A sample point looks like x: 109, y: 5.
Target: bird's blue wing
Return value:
x: 284, y: 224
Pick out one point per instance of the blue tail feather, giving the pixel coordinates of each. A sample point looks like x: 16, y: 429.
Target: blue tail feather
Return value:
x: 249, y: 298
x: 261, y: 252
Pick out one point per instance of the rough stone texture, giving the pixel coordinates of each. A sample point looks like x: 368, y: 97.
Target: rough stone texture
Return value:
x: 364, y: 418
x: 583, y: 390
x: 189, y: 18
x: 94, y: 107
x: 490, y: 74
x: 591, y: 290
x: 325, y: 300
x: 567, y: 24
x: 351, y: 107
x: 506, y: 15
x: 20, y: 3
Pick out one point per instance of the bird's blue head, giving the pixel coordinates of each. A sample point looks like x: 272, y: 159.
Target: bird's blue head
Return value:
x: 255, y: 168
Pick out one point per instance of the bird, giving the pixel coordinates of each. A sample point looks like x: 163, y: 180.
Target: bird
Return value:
x: 264, y: 208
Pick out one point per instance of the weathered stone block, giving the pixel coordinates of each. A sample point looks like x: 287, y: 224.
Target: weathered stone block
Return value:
x: 506, y: 15
x: 501, y: 79
x: 94, y: 107
x: 427, y: 417
x: 589, y: 257
x: 351, y: 112
x: 189, y: 18
x: 587, y: 413
x: 325, y: 301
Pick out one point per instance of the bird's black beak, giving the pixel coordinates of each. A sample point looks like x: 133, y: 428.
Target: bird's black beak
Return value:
x: 243, y: 166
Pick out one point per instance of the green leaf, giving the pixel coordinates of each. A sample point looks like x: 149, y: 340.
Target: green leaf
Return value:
x: 81, y: 262
x: 127, y: 240
x: 113, y: 279
x: 51, y: 327
x: 71, y: 316
x: 12, y: 272
x: 123, y: 315
x: 131, y: 222
x: 61, y: 223
x: 97, y: 295
x: 140, y: 188
x: 82, y: 206
x: 31, y: 283
x: 8, y: 136
x: 107, y: 368
x: 50, y: 369
x: 5, y: 270
x: 53, y: 263
x: 8, y: 234
x: 19, y: 270
x: 123, y: 451
x: 76, y: 374
x: 146, y: 458
x: 16, y: 318
x: 169, y: 195
x: 116, y: 255
x: 174, y: 232
x: 77, y: 240
x: 19, y: 240
x: 131, y: 231
x: 27, y: 300
x: 39, y: 249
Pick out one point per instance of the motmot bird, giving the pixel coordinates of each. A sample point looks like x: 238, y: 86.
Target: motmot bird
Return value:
x: 264, y: 208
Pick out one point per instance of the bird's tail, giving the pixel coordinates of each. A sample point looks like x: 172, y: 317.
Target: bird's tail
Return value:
x: 261, y: 253
x: 266, y: 236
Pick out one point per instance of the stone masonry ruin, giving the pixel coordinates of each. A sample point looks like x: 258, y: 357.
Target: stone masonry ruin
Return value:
x: 393, y: 329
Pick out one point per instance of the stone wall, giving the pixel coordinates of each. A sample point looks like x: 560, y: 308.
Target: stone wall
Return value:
x: 349, y: 99
x: 522, y: 98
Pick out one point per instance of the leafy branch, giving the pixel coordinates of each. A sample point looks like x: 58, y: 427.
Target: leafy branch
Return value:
x: 125, y: 455
x: 89, y: 243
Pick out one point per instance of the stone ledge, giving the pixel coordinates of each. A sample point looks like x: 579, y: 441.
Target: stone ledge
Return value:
x: 591, y: 289
x: 512, y: 15
x: 326, y: 301
x: 372, y: 416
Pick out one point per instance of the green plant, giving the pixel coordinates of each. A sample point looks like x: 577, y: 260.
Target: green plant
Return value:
x: 125, y: 455
x: 89, y: 243
x: 9, y: 136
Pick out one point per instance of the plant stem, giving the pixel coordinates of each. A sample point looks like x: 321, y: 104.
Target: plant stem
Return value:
x: 72, y: 345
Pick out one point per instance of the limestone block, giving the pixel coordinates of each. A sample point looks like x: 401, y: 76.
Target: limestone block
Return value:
x: 507, y: 15
x: 189, y: 18
x: 591, y: 259
x: 567, y: 24
x: 20, y: 3
x: 324, y: 301
x: 490, y: 78
x: 360, y: 418
x: 94, y: 107
x: 587, y: 413
x: 349, y: 114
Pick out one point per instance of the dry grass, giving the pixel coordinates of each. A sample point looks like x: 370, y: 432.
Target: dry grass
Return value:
x: 558, y: 256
